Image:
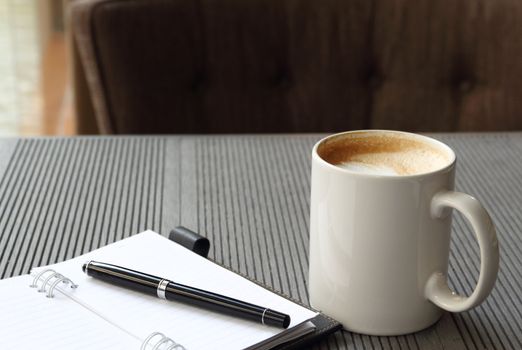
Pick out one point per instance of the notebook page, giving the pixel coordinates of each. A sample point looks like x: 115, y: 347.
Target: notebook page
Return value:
x: 192, y: 327
x: 30, y: 320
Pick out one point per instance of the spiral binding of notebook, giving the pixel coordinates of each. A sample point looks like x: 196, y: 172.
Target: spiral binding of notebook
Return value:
x: 50, y: 280
x: 160, y: 341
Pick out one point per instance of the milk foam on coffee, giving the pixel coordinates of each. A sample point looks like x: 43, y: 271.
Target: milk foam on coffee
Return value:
x: 361, y: 167
x: 383, y: 153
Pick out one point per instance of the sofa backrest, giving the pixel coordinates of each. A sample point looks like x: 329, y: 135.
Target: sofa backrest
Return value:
x: 186, y: 66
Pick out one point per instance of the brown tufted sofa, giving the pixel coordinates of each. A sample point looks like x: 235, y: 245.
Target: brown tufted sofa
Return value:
x: 227, y: 66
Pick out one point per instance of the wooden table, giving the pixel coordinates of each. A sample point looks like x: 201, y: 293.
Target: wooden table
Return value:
x: 61, y: 197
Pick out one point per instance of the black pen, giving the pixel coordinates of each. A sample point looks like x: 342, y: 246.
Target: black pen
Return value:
x: 165, y: 289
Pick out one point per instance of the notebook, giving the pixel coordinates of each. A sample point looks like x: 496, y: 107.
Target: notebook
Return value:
x: 73, y: 310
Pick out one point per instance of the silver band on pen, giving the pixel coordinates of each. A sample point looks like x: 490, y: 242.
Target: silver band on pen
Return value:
x: 162, y: 287
x: 263, y: 316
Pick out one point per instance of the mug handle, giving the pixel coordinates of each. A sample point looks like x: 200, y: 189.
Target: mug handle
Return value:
x: 437, y: 289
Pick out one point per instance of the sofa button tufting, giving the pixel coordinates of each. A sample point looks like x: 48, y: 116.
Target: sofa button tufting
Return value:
x: 374, y: 81
x: 198, y: 83
x: 465, y: 86
x: 282, y: 79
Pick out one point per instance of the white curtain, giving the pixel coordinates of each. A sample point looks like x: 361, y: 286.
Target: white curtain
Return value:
x: 20, y: 58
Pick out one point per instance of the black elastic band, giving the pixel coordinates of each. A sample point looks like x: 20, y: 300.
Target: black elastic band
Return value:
x: 190, y: 240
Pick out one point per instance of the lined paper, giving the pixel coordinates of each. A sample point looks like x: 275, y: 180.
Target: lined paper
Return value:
x: 192, y: 327
x: 30, y: 320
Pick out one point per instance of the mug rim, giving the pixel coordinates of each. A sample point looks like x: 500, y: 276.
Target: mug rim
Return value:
x: 437, y: 143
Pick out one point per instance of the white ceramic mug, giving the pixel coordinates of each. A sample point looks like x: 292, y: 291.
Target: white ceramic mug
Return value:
x: 379, y: 245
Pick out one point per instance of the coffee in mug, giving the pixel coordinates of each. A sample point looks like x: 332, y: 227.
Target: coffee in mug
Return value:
x: 380, y: 222
x: 384, y: 153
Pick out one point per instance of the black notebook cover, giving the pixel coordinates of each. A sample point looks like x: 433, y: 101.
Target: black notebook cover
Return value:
x: 324, y: 324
